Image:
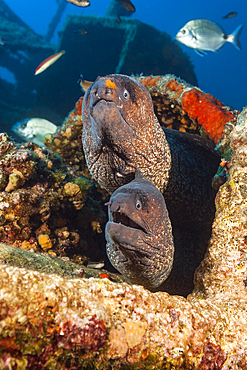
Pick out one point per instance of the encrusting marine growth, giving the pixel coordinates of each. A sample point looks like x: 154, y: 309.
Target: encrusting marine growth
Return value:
x: 96, y: 323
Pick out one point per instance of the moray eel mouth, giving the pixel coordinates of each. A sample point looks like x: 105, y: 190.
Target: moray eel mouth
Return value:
x: 99, y: 99
x: 123, y: 219
x: 103, y: 103
x: 129, y: 239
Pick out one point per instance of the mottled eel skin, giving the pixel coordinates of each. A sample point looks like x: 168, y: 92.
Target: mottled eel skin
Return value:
x: 121, y: 134
x: 139, y: 233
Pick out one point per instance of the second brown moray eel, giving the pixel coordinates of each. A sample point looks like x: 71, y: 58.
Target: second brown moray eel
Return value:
x: 139, y: 233
x: 121, y: 134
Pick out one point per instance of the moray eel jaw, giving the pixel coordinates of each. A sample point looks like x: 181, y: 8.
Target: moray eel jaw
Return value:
x: 119, y: 124
x: 120, y: 235
x: 123, y: 219
x: 125, y: 224
x: 138, y: 233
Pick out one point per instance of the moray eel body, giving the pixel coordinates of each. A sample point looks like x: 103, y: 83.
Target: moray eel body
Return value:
x: 139, y: 234
x: 121, y: 134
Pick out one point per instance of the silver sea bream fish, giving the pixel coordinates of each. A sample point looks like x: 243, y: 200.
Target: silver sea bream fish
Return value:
x: 202, y: 34
x: 34, y: 129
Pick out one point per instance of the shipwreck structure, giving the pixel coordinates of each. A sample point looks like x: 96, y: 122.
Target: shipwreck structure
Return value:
x: 128, y: 46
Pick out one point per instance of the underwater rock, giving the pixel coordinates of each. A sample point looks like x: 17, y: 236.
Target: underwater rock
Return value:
x: 44, y: 206
x: 45, y: 242
x: 183, y: 107
x: 97, y: 323
x: 16, y: 179
x: 50, y: 264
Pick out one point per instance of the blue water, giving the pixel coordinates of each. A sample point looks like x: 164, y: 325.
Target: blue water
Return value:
x: 222, y: 74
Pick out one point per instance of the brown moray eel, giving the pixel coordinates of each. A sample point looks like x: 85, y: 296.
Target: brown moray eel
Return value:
x: 121, y: 134
x: 139, y: 233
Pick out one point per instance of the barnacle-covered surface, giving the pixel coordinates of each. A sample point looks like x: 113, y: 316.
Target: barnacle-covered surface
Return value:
x: 44, y: 206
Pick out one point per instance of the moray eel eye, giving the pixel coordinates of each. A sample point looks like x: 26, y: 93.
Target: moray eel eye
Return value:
x: 138, y: 205
x: 126, y: 94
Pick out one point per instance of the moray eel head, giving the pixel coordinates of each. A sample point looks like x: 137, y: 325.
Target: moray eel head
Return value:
x: 139, y: 234
x: 118, y: 125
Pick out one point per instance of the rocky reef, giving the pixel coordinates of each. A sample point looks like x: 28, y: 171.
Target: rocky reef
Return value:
x: 180, y: 106
x: 43, y: 205
x: 51, y: 316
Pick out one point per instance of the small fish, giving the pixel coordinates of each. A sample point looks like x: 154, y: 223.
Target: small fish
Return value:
x: 96, y: 265
x: 127, y: 4
x: 230, y: 15
x: 81, y: 30
x: 2, y: 42
x: 84, y: 83
x: 34, y: 129
x: 202, y: 34
x: 82, y: 3
x: 48, y: 62
x: 219, y: 179
x: 118, y: 19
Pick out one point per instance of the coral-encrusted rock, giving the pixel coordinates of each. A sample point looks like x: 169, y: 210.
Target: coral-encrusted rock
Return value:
x: 180, y: 106
x: 224, y: 269
x: 80, y: 323
x: 43, y: 203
